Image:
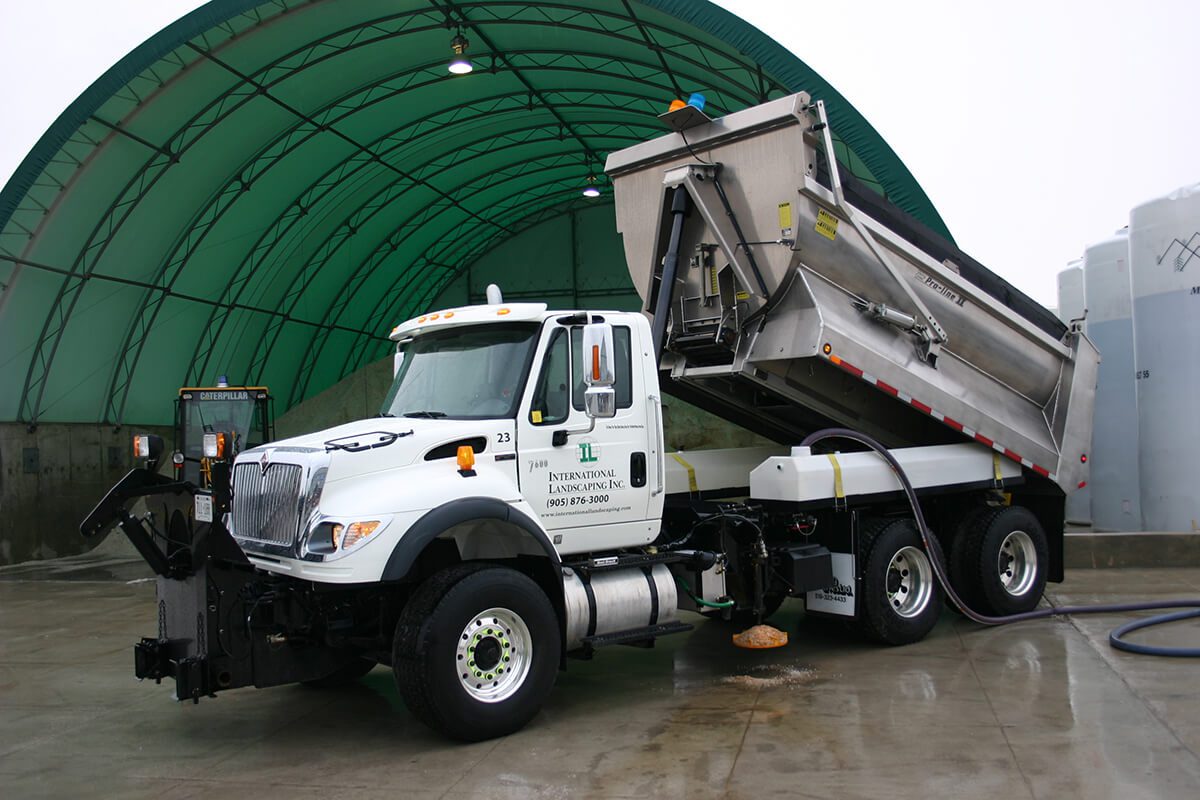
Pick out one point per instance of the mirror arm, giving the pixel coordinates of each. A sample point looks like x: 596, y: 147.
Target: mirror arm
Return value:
x: 560, y: 436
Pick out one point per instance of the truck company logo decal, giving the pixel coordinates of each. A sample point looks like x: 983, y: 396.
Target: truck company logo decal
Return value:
x: 589, y: 453
x: 583, y: 481
x: 839, y: 592
x: 941, y: 288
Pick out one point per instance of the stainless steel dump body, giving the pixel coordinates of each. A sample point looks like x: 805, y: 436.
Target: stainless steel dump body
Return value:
x: 794, y: 308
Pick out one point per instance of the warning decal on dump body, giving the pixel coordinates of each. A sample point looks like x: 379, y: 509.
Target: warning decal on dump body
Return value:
x: 785, y: 220
x: 826, y: 224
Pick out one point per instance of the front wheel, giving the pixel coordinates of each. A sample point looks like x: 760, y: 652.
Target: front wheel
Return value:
x: 901, y: 599
x: 476, y: 651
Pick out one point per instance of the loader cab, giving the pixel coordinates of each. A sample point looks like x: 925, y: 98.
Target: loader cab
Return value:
x: 242, y: 413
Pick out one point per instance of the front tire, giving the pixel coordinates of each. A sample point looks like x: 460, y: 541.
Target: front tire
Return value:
x: 476, y: 651
x: 901, y: 599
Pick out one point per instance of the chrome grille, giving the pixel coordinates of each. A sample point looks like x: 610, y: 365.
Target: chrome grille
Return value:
x: 266, y: 506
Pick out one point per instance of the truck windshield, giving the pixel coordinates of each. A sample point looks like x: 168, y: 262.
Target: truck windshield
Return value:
x: 463, y: 373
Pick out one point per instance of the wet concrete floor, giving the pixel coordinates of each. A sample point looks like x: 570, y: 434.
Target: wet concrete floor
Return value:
x: 1039, y: 709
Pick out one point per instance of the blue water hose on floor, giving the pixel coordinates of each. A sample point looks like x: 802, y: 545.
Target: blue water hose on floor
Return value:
x: 936, y: 558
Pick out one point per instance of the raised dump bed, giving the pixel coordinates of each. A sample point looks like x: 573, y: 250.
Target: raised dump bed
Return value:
x: 793, y: 307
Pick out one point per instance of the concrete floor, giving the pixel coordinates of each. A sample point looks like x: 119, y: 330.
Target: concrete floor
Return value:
x: 1041, y: 709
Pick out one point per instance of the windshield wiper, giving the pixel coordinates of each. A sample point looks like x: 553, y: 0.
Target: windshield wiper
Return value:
x: 353, y: 444
x: 426, y: 414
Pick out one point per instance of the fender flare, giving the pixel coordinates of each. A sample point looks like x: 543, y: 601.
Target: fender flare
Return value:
x: 438, y: 520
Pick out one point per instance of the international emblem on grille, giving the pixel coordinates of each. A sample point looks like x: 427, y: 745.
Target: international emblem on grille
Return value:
x: 264, y: 462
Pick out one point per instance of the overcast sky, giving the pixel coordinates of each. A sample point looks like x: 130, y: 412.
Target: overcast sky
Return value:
x: 1033, y: 126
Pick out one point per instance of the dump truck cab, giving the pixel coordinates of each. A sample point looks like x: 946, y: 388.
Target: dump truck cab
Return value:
x: 486, y: 411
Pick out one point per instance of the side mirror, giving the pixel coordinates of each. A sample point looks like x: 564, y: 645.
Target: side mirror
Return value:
x: 599, y: 371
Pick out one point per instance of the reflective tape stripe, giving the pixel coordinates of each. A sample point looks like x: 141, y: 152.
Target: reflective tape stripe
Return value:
x: 931, y: 411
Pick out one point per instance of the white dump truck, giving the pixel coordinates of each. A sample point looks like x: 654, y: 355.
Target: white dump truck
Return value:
x: 514, y: 503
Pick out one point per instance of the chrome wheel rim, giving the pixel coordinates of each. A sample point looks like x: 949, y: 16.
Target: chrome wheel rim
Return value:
x: 909, y: 582
x: 1016, y: 563
x: 493, y: 655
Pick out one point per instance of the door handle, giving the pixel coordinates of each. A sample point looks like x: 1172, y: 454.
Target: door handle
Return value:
x: 637, y: 470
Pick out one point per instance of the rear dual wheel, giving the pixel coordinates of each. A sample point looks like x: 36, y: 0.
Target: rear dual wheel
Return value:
x: 998, y: 561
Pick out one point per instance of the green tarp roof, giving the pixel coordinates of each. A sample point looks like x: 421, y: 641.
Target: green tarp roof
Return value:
x: 264, y: 188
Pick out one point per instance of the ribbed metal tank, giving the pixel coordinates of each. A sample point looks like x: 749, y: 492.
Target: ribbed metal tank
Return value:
x: 1071, y: 306
x: 1115, y: 501
x: 1164, y: 253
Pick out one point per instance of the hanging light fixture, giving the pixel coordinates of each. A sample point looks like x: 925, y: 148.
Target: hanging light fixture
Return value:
x: 592, y: 190
x: 459, y: 63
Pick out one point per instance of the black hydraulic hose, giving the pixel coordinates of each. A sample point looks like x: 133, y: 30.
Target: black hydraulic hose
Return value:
x: 666, y: 283
x: 937, y: 559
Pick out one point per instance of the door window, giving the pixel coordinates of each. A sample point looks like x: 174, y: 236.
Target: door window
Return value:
x: 551, y: 397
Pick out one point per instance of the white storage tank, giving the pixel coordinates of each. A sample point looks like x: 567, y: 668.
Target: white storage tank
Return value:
x: 1070, y: 292
x: 1071, y: 306
x: 1164, y: 252
x: 1116, y: 505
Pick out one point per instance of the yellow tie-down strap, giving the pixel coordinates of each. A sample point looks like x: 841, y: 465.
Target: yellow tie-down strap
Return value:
x: 839, y: 491
x: 691, y: 471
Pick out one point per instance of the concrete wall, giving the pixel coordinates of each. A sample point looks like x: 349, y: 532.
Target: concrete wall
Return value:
x: 51, y: 478
x: 357, y: 396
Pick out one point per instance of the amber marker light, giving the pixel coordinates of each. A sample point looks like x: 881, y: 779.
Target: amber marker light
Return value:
x: 827, y: 348
x: 503, y: 312
x: 357, y: 532
x: 596, y: 362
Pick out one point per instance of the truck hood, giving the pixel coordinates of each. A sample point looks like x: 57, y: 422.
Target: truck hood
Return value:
x: 415, y: 439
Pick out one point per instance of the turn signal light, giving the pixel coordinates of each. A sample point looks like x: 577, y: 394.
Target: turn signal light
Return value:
x: 141, y: 446
x: 596, y: 363
x: 355, y: 533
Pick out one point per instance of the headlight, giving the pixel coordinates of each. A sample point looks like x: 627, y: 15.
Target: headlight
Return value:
x: 335, y: 539
x: 214, y: 445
